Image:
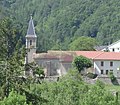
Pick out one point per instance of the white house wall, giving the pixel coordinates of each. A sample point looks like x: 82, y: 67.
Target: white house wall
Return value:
x: 98, y: 67
x: 115, y: 47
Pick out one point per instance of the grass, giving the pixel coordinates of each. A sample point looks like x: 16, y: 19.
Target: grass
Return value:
x: 112, y: 87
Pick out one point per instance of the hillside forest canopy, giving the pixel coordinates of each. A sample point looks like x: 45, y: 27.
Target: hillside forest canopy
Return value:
x: 59, y: 22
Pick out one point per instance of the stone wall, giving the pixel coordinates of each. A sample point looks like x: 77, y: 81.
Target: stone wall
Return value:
x: 107, y: 80
x: 104, y: 79
x: 54, y: 67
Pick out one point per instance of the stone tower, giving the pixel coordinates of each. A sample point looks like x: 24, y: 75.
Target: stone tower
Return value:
x: 30, y: 42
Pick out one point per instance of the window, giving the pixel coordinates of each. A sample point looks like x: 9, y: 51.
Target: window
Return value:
x: 111, y: 70
x: 102, y: 63
x: 113, y: 49
x: 111, y: 63
x: 106, y: 72
x: 101, y: 71
x: 30, y: 42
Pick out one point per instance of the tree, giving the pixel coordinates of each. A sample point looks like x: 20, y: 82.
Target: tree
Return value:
x: 11, y: 56
x: 81, y: 62
x: 83, y: 43
x: 39, y: 71
x: 35, y: 68
x: 14, y: 98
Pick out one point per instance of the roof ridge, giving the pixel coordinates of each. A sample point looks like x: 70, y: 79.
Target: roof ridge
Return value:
x: 99, y: 54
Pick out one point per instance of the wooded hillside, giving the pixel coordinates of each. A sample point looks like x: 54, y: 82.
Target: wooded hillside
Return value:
x: 60, y: 22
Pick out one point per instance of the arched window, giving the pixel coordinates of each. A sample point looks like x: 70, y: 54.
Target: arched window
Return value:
x: 30, y: 42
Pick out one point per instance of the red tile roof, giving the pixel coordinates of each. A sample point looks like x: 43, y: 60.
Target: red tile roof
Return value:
x: 67, y: 56
x: 108, y: 56
x: 89, y: 54
x: 99, y: 55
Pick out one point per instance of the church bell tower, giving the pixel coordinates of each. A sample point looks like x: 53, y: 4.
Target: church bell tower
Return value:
x: 30, y: 42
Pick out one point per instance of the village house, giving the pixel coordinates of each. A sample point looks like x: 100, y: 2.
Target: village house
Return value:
x: 103, y: 62
x: 57, y: 63
x: 114, y: 47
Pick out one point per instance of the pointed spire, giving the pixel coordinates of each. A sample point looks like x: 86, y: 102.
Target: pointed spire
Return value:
x: 31, y: 28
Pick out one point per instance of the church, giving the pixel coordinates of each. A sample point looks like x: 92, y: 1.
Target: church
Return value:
x: 57, y: 63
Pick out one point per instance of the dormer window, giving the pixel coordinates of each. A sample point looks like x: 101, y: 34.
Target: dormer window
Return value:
x: 30, y: 42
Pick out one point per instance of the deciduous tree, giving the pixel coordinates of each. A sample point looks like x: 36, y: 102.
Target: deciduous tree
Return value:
x: 81, y: 62
x: 83, y: 43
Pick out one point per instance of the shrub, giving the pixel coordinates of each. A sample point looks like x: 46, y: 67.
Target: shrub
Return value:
x: 91, y: 75
x: 14, y: 98
x: 112, y: 77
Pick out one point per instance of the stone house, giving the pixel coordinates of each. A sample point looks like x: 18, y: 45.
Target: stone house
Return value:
x: 55, y: 62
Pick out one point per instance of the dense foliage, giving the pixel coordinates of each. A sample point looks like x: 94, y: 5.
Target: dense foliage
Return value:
x: 60, y: 22
x: 11, y: 56
x: 83, y: 43
x: 69, y: 90
x: 14, y: 99
x: 81, y: 63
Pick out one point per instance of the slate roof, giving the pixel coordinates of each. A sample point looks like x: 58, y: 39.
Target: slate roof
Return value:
x: 99, y: 48
x: 31, y: 28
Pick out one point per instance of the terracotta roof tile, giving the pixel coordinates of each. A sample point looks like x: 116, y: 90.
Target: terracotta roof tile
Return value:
x: 67, y: 56
x: 88, y: 54
x: 99, y: 55
x: 108, y: 56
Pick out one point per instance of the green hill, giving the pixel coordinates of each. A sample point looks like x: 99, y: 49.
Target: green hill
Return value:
x: 59, y: 22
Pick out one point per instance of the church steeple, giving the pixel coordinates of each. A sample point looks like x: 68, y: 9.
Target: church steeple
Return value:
x: 31, y: 28
x: 30, y: 41
x: 31, y: 36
